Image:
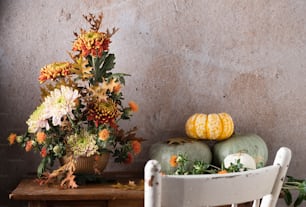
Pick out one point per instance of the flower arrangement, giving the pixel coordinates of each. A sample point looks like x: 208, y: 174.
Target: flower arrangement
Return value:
x: 81, y: 106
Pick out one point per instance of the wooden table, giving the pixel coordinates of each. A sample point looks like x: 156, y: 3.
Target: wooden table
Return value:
x: 89, y: 195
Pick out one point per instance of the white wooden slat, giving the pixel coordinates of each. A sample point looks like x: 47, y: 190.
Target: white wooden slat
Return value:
x: 257, y: 183
x: 212, y: 190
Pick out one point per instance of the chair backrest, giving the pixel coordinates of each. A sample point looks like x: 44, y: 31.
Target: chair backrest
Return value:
x: 262, y: 186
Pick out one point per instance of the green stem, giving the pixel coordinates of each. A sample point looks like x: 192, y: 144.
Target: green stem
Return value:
x: 291, y: 183
x: 70, y: 120
x: 290, y: 188
x: 215, y: 167
x: 93, y: 59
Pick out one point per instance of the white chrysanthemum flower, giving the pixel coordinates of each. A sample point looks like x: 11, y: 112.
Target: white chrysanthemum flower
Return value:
x: 38, y: 120
x: 61, y: 102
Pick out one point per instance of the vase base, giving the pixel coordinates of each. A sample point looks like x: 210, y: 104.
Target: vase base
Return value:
x: 89, y: 165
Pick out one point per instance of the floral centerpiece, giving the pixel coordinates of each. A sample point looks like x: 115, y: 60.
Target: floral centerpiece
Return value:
x: 81, y: 106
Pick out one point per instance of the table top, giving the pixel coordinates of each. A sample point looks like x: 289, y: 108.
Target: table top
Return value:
x: 118, y: 188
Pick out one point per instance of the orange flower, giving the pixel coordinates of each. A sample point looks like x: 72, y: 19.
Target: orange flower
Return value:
x: 117, y: 88
x: 41, y: 137
x: 222, y: 172
x: 104, y: 134
x: 12, y: 138
x: 28, y: 146
x: 91, y: 43
x: 136, y: 147
x: 173, y: 161
x: 43, y: 152
x: 129, y: 159
x: 133, y: 106
x: 54, y: 70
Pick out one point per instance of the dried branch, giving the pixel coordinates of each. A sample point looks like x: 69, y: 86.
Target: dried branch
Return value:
x: 65, y: 171
x: 94, y: 22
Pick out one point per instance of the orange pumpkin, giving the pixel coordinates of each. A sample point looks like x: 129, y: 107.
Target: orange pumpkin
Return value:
x: 210, y: 126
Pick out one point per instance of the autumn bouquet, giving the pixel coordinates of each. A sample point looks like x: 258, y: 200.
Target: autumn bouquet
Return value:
x: 81, y: 105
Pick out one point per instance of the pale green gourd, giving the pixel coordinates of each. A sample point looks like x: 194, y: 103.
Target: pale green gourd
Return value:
x: 252, y: 144
x: 193, y: 149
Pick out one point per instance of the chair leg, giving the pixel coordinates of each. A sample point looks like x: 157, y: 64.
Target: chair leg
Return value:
x: 152, y: 184
x: 256, y: 203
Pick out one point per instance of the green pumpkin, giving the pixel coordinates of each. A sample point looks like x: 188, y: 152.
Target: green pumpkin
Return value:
x: 251, y: 144
x: 194, y: 150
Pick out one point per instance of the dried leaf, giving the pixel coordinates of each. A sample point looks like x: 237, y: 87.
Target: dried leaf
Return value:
x: 130, y: 186
x: 80, y: 67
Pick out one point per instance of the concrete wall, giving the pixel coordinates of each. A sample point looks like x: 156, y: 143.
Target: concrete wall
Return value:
x: 246, y: 58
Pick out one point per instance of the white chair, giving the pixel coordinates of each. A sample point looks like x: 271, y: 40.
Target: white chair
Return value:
x: 262, y: 186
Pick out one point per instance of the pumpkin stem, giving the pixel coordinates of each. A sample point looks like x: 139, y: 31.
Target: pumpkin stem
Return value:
x: 178, y: 140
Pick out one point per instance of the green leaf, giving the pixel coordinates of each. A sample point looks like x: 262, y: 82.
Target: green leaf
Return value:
x: 302, y: 187
x: 96, y: 63
x: 102, y: 65
x: 199, y: 167
x: 292, y: 179
x: 109, y: 63
x: 299, y: 199
x: 99, y: 61
x: 41, y: 167
x: 89, y: 60
x: 287, y: 197
x: 120, y: 77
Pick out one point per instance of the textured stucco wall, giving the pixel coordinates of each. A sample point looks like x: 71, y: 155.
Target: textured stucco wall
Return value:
x: 246, y: 58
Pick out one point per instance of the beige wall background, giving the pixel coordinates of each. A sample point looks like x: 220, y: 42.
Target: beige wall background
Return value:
x: 246, y: 58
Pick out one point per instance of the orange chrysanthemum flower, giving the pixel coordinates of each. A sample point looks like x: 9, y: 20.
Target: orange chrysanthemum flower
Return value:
x: 104, y: 134
x: 43, y: 152
x: 12, y: 138
x: 91, y: 43
x: 136, y: 146
x: 28, y: 146
x: 222, y: 172
x: 54, y: 70
x: 133, y: 106
x: 173, y: 161
x: 41, y: 137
